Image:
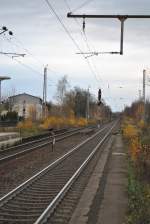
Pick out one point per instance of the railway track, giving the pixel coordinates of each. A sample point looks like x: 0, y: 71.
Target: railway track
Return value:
x: 21, y: 149
x: 36, y: 199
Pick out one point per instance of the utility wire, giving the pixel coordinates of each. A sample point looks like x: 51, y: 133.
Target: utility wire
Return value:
x: 68, y: 33
x: 24, y: 65
x: 35, y: 58
x: 28, y: 52
x: 85, y: 39
x: 91, y: 64
x: 28, y: 67
x: 20, y: 44
x: 82, y: 5
x: 89, y: 48
x: 84, y: 36
x: 63, y: 25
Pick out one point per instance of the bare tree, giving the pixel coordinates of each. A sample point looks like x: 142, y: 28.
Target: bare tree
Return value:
x: 62, y: 86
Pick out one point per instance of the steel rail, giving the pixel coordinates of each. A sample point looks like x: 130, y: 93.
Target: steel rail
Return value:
x: 52, y: 206
x: 25, y: 184
x: 34, y: 141
x: 25, y: 151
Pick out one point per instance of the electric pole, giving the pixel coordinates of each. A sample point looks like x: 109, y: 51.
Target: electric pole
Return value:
x: 140, y: 94
x: 44, y: 92
x: 87, y: 105
x: 144, y: 78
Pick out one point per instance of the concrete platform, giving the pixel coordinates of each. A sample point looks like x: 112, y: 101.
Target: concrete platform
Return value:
x: 11, y: 142
x: 104, y: 201
x: 8, y: 135
x: 114, y: 205
x: 8, y: 139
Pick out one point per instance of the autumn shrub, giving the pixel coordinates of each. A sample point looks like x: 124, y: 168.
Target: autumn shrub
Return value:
x: 143, y: 162
x: 135, y: 148
x: 134, y: 132
x: 92, y: 121
x: 71, y: 121
x: 25, y: 124
x: 82, y: 122
x: 59, y: 122
x: 141, y: 124
x: 130, y: 132
x: 53, y: 122
x: 138, y: 191
x: 28, y: 128
x: 139, y: 199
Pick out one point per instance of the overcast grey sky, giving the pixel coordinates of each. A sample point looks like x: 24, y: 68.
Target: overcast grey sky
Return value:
x: 37, y: 30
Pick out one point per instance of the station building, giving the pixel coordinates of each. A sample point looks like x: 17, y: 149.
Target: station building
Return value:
x: 26, y: 105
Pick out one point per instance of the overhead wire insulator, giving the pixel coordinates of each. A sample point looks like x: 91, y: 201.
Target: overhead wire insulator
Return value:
x: 10, y: 33
x: 83, y: 27
x: 4, y: 28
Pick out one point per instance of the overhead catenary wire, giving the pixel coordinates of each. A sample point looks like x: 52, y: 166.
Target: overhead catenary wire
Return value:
x: 20, y: 44
x: 24, y: 65
x: 89, y: 48
x: 84, y: 37
x: 94, y: 53
x: 20, y: 62
x: 63, y: 25
x: 51, y: 8
x: 28, y: 53
x: 82, y: 5
x: 90, y: 62
x: 36, y: 59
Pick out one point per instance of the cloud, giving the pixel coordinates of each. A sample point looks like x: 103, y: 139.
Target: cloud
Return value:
x: 39, y: 31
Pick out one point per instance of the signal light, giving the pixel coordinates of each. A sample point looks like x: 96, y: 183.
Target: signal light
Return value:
x: 99, y: 97
x: 99, y: 94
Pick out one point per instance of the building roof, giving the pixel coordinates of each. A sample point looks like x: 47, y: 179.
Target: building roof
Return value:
x: 21, y: 94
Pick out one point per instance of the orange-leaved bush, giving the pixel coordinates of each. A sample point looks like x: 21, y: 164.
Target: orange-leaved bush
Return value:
x: 134, y: 148
x: 53, y: 122
x: 130, y: 131
x: 58, y: 122
x: 25, y: 124
x: 82, y: 121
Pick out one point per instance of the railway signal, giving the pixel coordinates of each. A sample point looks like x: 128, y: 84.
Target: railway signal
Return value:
x: 99, y: 96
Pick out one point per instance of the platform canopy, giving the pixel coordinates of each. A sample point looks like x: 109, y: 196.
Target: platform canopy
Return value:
x: 4, y: 78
